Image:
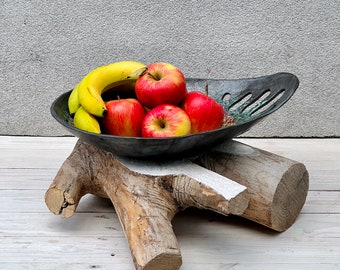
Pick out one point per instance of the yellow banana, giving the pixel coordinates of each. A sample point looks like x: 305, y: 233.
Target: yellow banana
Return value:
x: 85, y: 121
x: 73, y: 101
x: 102, y: 79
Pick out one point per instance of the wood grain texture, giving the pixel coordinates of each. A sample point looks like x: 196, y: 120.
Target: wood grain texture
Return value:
x: 146, y: 196
x: 32, y: 238
x: 277, y: 185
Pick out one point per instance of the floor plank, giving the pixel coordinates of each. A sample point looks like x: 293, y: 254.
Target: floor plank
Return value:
x: 24, y: 179
x: 33, y: 238
x: 54, y: 251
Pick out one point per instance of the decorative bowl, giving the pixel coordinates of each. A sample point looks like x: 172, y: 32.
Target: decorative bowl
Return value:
x: 247, y: 100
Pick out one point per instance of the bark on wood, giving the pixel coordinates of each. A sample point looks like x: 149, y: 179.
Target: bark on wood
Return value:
x: 277, y: 185
x: 264, y: 187
x: 146, y: 196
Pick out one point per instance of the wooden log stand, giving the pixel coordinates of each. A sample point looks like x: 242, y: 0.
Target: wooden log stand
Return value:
x: 233, y: 178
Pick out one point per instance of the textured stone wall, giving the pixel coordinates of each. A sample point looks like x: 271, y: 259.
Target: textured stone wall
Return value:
x: 47, y: 46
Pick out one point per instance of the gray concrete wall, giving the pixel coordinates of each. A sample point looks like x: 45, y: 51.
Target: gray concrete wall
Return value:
x: 47, y: 46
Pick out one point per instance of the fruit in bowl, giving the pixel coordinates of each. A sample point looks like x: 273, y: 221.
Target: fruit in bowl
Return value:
x: 124, y: 117
x: 204, y: 112
x: 159, y: 87
x: 165, y: 120
x: 228, y: 91
x: 161, y: 83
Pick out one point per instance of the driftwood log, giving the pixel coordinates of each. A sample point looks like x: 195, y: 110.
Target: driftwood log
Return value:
x: 277, y: 185
x: 265, y: 188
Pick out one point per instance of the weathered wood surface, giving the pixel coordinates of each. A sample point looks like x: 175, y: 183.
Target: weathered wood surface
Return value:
x: 146, y: 196
x: 277, y: 185
x: 32, y: 238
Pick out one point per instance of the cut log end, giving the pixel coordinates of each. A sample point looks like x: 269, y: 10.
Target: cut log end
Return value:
x: 290, y: 197
x: 165, y: 261
x: 60, y: 203
x: 240, y: 203
x: 55, y: 200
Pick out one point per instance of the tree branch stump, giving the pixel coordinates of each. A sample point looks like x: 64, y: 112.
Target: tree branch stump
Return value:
x: 146, y: 196
x: 266, y: 188
x: 277, y: 186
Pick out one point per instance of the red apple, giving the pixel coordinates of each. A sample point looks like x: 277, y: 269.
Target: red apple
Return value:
x: 204, y: 112
x: 124, y: 117
x: 161, y: 83
x: 165, y: 120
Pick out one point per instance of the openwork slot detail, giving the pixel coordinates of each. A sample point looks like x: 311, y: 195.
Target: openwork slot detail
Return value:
x: 267, y: 104
x: 257, y: 103
x: 251, y: 105
x: 240, y: 103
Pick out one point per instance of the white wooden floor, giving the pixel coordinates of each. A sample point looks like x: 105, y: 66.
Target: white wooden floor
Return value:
x: 33, y: 238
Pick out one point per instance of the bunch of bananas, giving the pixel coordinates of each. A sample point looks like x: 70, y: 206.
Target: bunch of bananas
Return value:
x: 85, y: 100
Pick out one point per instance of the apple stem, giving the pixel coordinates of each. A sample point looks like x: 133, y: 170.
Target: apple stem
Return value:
x: 206, y: 82
x: 156, y: 78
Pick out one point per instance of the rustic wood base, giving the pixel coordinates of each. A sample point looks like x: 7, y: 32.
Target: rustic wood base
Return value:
x: 266, y: 188
x: 277, y: 185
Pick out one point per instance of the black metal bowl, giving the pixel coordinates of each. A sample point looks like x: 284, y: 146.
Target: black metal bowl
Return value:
x: 247, y: 101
